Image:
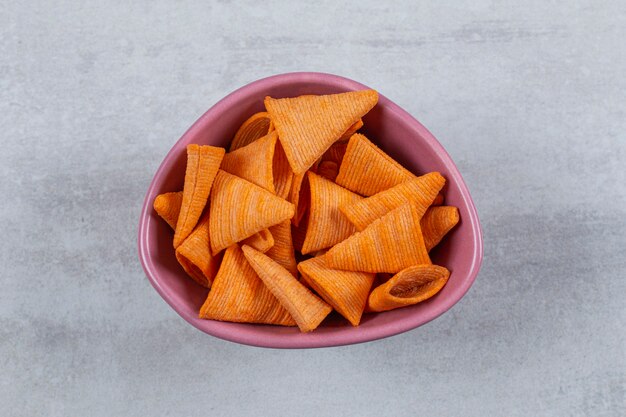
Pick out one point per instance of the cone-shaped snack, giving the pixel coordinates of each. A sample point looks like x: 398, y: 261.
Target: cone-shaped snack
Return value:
x: 194, y: 254
x: 254, y: 162
x: 299, y: 196
x: 283, y: 175
x: 167, y: 206
x: 389, y: 244
x: 328, y: 170
x: 436, y: 223
x: 261, y: 241
x: 202, y: 165
x: 409, y: 286
x: 239, y: 295
x: 346, y: 291
x: 306, y: 309
x: 327, y: 225
x: 240, y: 209
x: 308, y: 125
x: 419, y: 191
x: 367, y: 170
x: 255, y: 127
x: 282, y: 251
x: 351, y: 131
x: 438, y: 201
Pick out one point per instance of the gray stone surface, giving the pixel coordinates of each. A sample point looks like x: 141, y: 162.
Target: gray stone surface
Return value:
x: 528, y: 99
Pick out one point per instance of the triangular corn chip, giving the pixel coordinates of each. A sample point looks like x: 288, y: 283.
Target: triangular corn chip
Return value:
x: 254, y: 162
x: 283, y: 175
x: 346, y: 291
x: 257, y: 126
x: 367, y: 170
x: 388, y: 244
x: 299, y: 197
x: 306, y: 309
x: 436, y: 223
x: 194, y: 254
x: 261, y: 241
x: 327, y: 225
x: 438, y: 201
x: 282, y: 251
x: 419, y: 191
x: 240, y: 209
x: 308, y: 125
x: 167, y: 206
x: 239, y: 295
x: 202, y: 165
x: 328, y: 170
x: 409, y: 286
x: 351, y: 131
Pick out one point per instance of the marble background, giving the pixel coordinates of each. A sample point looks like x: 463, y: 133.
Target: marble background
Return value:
x: 529, y: 100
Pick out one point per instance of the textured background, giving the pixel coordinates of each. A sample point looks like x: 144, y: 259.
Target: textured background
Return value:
x: 529, y: 101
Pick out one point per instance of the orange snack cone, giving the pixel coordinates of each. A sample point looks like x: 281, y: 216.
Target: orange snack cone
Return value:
x: 328, y: 170
x: 345, y: 291
x: 419, y: 191
x: 261, y: 241
x: 388, y: 244
x: 282, y: 251
x: 438, y: 201
x: 327, y: 225
x: 351, y: 131
x: 202, y: 165
x: 283, y: 175
x: 167, y: 206
x: 194, y: 254
x: 437, y: 222
x: 306, y: 309
x: 240, y: 209
x: 409, y: 286
x: 367, y: 170
x: 257, y: 126
x: 299, y: 197
x: 254, y: 162
x: 239, y: 295
x: 308, y: 125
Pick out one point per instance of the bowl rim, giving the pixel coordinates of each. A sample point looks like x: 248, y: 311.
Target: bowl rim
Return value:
x: 326, y: 340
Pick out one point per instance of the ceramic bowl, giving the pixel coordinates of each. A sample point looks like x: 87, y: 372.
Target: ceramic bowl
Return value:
x: 387, y: 125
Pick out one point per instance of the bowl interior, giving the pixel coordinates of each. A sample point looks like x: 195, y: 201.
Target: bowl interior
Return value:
x: 391, y: 128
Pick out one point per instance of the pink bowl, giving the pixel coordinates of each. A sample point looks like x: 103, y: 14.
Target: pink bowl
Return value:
x: 397, y: 133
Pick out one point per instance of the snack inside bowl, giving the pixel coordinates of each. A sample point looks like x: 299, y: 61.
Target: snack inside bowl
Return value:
x: 395, y: 132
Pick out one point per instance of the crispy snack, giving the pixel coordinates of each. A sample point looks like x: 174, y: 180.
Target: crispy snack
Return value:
x: 282, y: 251
x: 438, y: 201
x: 388, y: 244
x: 254, y: 162
x: 328, y: 170
x: 283, y: 175
x: 308, y: 125
x: 367, y: 170
x: 261, y: 241
x: 257, y: 126
x: 167, y: 206
x: 299, y: 196
x: 194, y: 254
x: 327, y: 225
x: 346, y: 291
x: 239, y: 295
x: 351, y: 131
x: 419, y: 191
x: 409, y: 286
x: 437, y: 222
x: 202, y: 165
x: 306, y: 309
x: 240, y: 209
